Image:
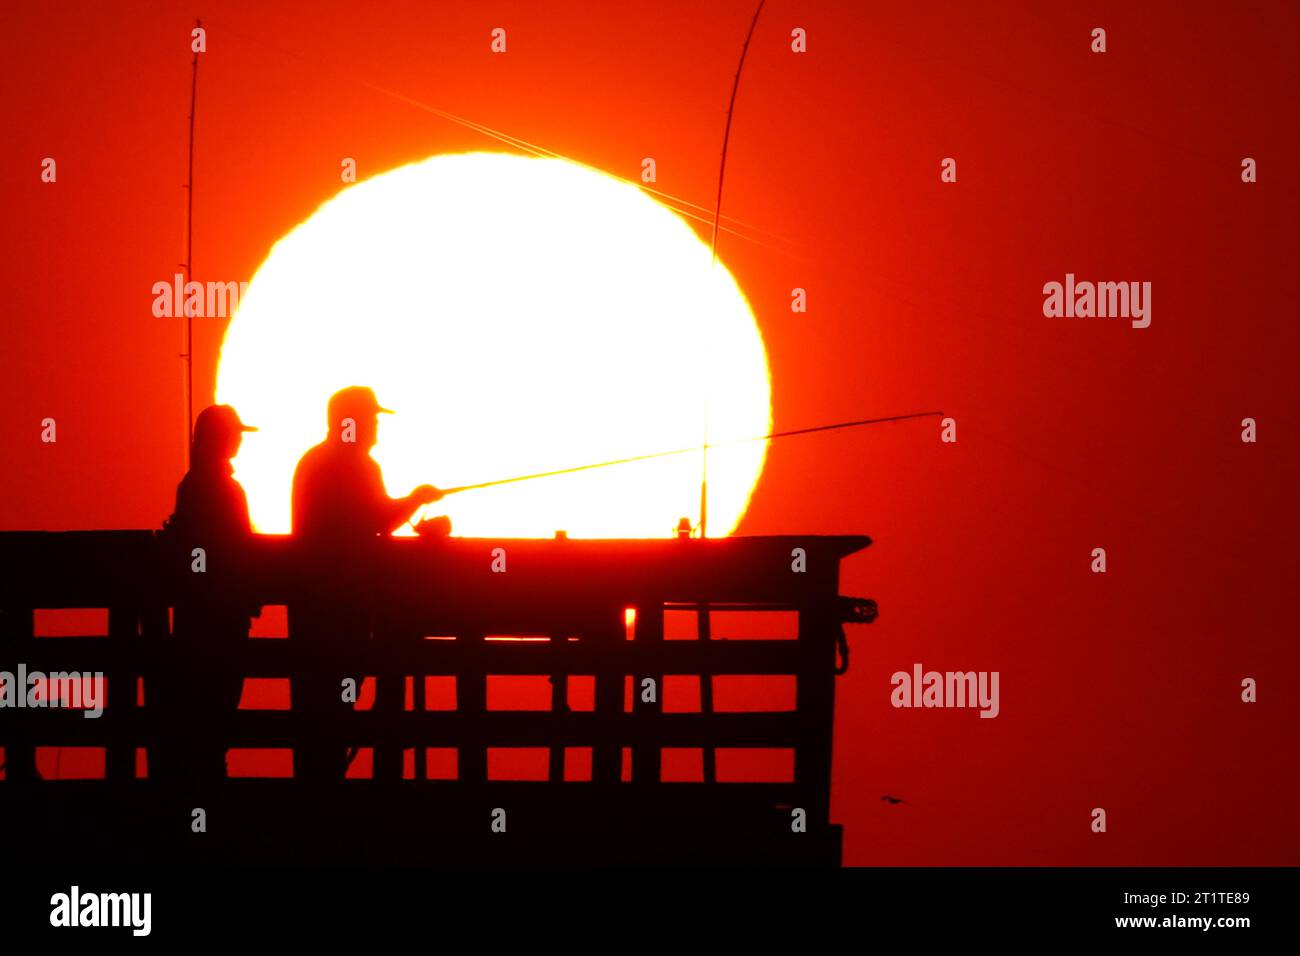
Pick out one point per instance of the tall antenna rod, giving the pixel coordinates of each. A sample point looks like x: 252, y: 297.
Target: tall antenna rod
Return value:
x: 713, y: 262
x: 187, y: 356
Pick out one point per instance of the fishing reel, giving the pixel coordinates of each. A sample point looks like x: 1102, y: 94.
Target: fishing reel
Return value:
x: 439, y: 527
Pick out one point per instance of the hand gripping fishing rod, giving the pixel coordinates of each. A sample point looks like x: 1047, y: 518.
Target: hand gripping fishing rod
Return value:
x: 686, y: 451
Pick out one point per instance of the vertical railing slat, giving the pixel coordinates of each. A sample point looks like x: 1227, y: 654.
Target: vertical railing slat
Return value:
x: 647, y: 759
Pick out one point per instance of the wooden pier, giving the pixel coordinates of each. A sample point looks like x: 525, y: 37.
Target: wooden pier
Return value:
x: 610, y: 625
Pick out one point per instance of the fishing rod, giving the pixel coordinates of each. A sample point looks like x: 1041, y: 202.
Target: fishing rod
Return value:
x: 686, y: 451
x: 187, y: 355
x: 713, y: 261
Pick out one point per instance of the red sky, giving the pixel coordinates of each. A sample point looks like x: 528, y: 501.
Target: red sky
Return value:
x: 1119, y: 690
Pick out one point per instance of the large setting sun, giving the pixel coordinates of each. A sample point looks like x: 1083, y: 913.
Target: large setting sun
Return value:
x: 520, y: 315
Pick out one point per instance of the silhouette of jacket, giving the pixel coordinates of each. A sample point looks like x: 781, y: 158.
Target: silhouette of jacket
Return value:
x: 339, y: 495
x: 212, y: 514
x: 209, y: 502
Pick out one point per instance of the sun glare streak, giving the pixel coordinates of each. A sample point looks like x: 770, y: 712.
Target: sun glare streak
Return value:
x: 520, y: 315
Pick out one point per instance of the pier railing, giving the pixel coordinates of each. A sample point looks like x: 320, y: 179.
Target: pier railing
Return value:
x: 681, y: 704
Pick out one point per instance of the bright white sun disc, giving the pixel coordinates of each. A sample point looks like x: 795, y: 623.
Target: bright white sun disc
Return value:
x: 520, y: 315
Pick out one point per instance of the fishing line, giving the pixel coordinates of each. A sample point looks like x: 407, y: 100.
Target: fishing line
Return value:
x: 858, y: 423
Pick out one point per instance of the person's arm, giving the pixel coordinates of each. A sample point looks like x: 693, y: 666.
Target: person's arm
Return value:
x: 403, y: 508
x: 391, y: 513
x: 244, y: 523
x: 175, y: 523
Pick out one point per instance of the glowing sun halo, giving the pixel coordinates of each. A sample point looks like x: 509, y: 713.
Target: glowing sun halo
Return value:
x: 520, y: 315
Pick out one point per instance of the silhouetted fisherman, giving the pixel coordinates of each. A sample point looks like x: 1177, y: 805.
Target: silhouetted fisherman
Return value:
x: 201, y: 690
x: 339, y: 506
x: 338, y: 489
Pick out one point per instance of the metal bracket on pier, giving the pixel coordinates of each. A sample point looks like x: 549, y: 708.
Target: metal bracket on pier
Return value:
x: 852, y: 611
x: 857, y: 610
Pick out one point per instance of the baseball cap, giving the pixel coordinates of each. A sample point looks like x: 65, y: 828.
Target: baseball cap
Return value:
x: 353, y: 401
x: 220, y: 418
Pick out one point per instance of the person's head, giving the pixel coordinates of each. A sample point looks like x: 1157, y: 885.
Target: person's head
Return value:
x: 354, y: 416
x: 218, y: 433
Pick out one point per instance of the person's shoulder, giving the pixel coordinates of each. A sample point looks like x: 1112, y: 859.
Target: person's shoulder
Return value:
x: 312, y: 457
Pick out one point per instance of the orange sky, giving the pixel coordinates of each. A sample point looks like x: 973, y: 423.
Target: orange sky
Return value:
x: 1073, y: 434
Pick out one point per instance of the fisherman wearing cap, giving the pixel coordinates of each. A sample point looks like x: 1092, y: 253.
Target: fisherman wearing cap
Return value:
x: 210, y: 504
x: 338, y: 489
x: 202, y: 684
x: 339, y: 506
